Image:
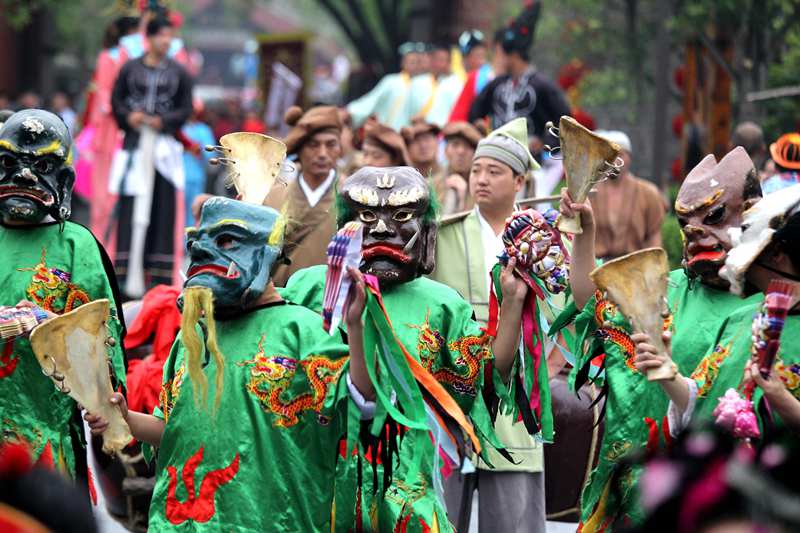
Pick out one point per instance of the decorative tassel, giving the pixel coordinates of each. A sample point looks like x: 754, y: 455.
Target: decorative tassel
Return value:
x: 768, y: 324
x: 735, y: 414
x: 406, y: 373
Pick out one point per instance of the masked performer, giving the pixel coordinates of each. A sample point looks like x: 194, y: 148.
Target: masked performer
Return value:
x: 430, y: 319
x: 711, y: 200
x: 57, y: 266
x: 765, y: 260
x: 254, y: 384
x: 151, y: 100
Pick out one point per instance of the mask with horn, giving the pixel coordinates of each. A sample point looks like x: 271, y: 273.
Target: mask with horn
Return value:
x: 398, y: 213
x: 233, y: 248
x: 588, y: 159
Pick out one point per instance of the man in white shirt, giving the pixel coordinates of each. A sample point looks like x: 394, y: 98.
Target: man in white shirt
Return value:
x: 467, y: 246
x: 315, y: 138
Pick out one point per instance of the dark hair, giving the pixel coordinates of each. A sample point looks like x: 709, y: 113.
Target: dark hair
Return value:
x: 787, y: 239
x: 497, y: 38
x: 126, y: 25
x: 706, y: 456
x: 157, y: 24
x: 440, y: 47
x: 752, y: 186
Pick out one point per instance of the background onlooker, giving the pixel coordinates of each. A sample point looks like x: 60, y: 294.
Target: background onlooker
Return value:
x: 628, y: 210
x: 61, y: 106
x: 785, y: 154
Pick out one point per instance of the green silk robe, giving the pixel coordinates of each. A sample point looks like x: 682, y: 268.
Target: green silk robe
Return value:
x: 635, y: 409
x: 266, y: 460
x: 435, y: 324
x: 723, y: 366
x: 58, y: 271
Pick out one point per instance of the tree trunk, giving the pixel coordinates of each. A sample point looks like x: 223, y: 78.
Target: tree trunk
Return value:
x: 662, y: 73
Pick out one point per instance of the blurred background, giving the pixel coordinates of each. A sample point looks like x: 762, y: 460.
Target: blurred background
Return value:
x: 676, y: 75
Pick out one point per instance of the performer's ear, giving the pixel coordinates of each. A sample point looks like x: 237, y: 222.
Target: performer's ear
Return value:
x: 259, y: 284
x: 66, y: 181
x: 428, y: 253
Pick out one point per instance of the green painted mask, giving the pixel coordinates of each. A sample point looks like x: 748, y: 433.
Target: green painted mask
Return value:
x: 232, y: 252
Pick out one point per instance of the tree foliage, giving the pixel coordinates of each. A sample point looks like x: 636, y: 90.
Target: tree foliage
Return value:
x: 18, y: 13
x: 375, y: 29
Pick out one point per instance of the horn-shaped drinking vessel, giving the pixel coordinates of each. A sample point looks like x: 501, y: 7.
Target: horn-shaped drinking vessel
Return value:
x: 587, y: 159
x: 72, y: 351
x: 255, y: 161
x: 637, y: 284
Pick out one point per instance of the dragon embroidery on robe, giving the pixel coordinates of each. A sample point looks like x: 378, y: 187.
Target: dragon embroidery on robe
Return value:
x: 169, y: 392
x: 271, y: 378
x: 708, y: 369
x: 471, y: 350
x: 52, y: 289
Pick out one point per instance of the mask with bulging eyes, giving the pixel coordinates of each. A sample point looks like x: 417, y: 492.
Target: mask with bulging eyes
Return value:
x: 711, y: 200
x: 36, y: 174
x: 394, y: 205
x: 232, y: 252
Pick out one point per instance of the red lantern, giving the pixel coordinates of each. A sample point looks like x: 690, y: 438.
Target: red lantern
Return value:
x: 679, y: 76
x: 677, y: 169
x: 677, y: 125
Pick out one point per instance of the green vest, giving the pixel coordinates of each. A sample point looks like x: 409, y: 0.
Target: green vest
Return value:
x: 460, y: 264
x: 459, y: 261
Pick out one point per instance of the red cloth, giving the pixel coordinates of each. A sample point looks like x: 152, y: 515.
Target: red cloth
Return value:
x: 159, y: 316
x: 253, y: 125
x: 461, y: 108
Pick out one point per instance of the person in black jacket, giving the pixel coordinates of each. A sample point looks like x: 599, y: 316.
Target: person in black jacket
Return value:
x: 523, y: 91
x: 151, y: 100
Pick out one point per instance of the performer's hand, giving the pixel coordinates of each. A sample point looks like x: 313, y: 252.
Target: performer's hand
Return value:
x: 772, y: 385
x: 197, y: 205
x: 513, y: 287
x: 647, y: 356
x: 31, y: 305
x: 570, y: 209
x: 135, y: 119
x: 97, y: 423
x: 356, y: 300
